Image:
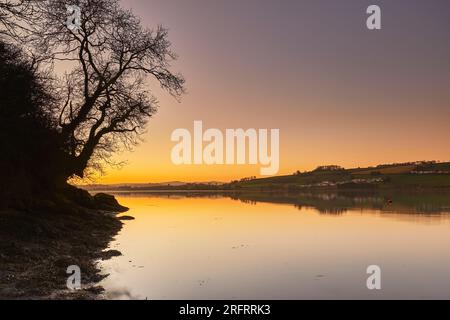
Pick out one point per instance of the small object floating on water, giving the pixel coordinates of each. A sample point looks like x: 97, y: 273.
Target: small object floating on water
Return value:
x: 203, y: 282
x: 240, y: 246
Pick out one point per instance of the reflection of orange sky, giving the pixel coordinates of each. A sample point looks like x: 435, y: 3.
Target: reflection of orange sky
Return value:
x: 338, y: 95
x: 218, y: 248
x: 202, y: 219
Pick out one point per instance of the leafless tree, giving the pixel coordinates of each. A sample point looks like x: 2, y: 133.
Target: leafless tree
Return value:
x: 18, y: 17
x: 9, y: 10
x: 113, y: 60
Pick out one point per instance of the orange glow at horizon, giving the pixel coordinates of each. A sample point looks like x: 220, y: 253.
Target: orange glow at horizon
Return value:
x: 339, y: 95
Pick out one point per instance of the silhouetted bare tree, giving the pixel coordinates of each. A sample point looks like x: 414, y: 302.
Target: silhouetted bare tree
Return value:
x: 105, y: 100
x: 18, y: 17
x: 9, y: 11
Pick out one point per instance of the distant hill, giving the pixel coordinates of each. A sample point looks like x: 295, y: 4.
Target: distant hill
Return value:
x: 420, y: 174
x: 148, y: 186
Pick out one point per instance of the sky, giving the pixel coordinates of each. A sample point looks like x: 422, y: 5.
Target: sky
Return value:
x: 339, y: 93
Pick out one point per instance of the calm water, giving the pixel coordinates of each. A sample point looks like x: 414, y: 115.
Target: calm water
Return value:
x: 296, y: 247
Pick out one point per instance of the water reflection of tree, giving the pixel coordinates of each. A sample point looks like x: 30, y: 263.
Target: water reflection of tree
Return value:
x: 333, y: 203
x: 246, y: 201
x: 330, y: 211
x: 337, y: 203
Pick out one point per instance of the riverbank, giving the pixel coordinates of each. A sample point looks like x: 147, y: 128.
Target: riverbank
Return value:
x: 37, y: 247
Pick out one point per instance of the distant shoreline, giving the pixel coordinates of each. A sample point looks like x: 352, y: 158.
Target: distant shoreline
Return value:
x: 411, y: 175
x: 109, y: 191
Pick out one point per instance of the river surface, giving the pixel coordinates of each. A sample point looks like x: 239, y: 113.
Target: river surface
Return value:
x: 205, y: 246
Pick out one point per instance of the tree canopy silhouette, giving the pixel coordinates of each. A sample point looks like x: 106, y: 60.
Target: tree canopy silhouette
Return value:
x: 10, y: 12
x: 29, y: 139
x: 103, y: 101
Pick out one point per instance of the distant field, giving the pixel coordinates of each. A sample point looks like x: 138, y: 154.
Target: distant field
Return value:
x: 389, y: 170
x: 442, y: 166
x: 426, y: 180
x: 396, y: 176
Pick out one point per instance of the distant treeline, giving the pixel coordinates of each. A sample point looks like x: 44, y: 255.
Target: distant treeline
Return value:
x: 423, y: 174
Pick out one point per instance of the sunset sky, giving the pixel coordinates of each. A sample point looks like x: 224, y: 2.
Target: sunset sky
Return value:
x: 339, y: 93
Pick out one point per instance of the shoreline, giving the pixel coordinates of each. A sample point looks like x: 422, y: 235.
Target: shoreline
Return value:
x: 36, y: 248
x: 277, y: 189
